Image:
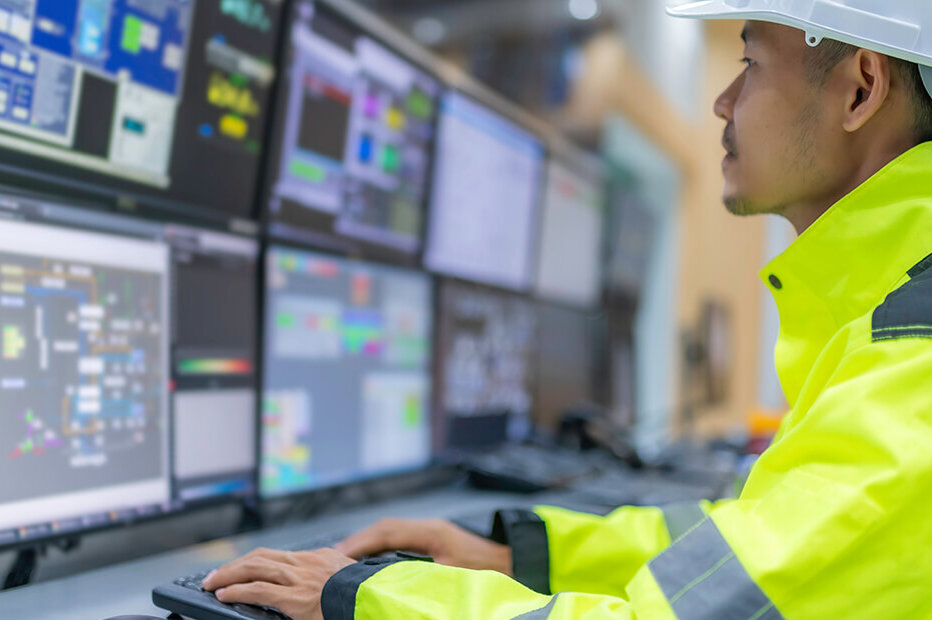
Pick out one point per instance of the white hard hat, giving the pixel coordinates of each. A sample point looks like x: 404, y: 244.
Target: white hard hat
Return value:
x: 897, y: 28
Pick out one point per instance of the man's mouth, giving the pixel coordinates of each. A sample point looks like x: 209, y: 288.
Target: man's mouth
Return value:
x: 728, y: 142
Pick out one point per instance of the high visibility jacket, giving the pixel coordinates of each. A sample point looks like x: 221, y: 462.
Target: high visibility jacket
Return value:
x: 834, y: 520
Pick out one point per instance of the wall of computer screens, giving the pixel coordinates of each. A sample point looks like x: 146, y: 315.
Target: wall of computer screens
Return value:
x: 160, y: 352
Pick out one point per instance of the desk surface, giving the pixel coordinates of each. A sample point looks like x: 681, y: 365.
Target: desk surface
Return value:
x: 126, y: 588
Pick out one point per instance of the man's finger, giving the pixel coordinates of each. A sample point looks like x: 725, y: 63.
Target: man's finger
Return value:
x: 272, y: 554
x: 254, y: 593
x: 386, y: 536
x: 249, y: 569
x: 361, y: 544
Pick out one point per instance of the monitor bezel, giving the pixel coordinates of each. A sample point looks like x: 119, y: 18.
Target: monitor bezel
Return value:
x: 266, y: 499
x: 399, y: 44
x: 445, y: 454
x: 67, y: 183
x: 478, y: 95
x: 581, y: 163
x: 173, y: 510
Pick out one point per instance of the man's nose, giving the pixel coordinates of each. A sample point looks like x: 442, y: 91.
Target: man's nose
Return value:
x: 725, y: 103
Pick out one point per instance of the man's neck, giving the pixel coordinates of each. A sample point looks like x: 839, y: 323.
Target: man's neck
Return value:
x: 802, y: 216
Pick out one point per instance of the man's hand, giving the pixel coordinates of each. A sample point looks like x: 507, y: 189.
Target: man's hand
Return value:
x: 441, y: 540
x: 289, y: 582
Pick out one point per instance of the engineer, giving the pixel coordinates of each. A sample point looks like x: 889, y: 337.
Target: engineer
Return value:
x: 829, y: 125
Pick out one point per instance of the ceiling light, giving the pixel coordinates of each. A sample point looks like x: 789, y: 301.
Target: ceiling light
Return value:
x: 584, y: 10
x: 429, y: 30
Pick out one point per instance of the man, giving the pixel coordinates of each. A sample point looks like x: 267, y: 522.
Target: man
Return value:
x: 833, y: 521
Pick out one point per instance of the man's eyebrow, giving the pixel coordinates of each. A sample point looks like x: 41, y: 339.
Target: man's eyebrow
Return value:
x: 747, y: 34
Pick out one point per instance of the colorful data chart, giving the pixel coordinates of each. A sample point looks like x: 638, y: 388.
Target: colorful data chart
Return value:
x: 38, y: 438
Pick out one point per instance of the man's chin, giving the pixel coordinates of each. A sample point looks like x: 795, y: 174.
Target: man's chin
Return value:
x: 739, y: 205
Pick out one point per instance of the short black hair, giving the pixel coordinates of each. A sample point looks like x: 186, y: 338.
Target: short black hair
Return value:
x: 826, y: 56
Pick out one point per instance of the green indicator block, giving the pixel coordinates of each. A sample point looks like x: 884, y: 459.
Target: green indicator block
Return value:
x: 13, y: 342
x: 308, y: 172
x: 132, y: 35
x: 391, y: 161
x: 412, y: 414
x: 405, y: 216
x: 420, y: 105
x: 354, y: 340
x: 288, y: 262
x: 285, y: 320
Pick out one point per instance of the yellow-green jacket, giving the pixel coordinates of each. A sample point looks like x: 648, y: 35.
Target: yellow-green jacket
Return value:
x: 835, y: 520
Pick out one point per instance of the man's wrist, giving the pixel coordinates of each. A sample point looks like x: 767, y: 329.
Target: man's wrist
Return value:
x: 338, y: 596
x: 504, y: 560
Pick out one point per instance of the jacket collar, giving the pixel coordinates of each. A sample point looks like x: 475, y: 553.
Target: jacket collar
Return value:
x: 846, y: 263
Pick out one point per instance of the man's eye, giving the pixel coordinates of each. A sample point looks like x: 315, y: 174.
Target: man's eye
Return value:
x: 747, y: 62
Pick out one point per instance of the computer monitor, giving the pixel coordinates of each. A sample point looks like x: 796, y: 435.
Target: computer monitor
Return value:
x: 566, y: 363
x: 128, y: 376
x: 570, y: 256
x: 634, y: 229
x: 158, y: 103
x: 353, y: 136
x: 487, y: 354
x: 346, y: 387
x: 214, y: 364
x: 487, y: 179
x: 84, y: 415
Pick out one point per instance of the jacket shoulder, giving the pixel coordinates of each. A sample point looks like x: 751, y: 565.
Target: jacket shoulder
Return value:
x: 907, y: 311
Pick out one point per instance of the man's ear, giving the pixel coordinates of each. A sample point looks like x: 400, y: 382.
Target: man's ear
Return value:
x: 867, y: 78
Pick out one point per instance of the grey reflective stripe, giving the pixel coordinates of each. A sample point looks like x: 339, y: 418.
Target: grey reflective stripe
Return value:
x: 680, y: 518
x: 539, y: 614
x: 703, y: 580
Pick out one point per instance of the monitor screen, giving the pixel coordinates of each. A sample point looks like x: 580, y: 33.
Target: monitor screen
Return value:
x: 214, y: 366
x: 126, y: 344
x: 347, y: 371
x: 159, y: 103
x: 485, y: 193
x: 634, y: 229
x: 353, y: 135
x: 84, y: 412
x: 566, y: 362
x: 487, y: 365
x: 569, y: 267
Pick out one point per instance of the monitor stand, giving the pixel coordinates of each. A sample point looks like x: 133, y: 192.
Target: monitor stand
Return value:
x: 24, y: 566
x: 251, y: 517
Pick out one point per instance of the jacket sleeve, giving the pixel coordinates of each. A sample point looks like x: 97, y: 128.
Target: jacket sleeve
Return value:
x: 557, y: 550
x: 831, y: 524
x: 424, y: 591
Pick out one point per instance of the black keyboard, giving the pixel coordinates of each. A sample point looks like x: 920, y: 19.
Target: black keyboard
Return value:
x: 622, y: 488
x: 528, y: 469
x: 193, y: 582
x: 186, y: 595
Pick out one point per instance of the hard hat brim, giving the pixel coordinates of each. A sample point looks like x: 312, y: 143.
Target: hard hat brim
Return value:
x: 718, y: 9
x: 703, y: 9
x: 721, y: 9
